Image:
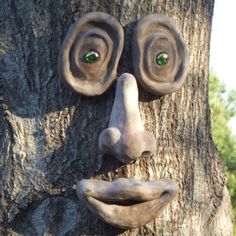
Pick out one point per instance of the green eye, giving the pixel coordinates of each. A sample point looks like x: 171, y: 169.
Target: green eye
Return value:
x: 92, y: 56
x: 162, y: 58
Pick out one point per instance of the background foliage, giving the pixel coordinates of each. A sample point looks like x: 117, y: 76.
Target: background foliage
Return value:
x: 223, y: 108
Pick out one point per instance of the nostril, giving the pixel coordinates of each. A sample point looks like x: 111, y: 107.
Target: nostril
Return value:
x: 164, y: 193
x: 146, y: 154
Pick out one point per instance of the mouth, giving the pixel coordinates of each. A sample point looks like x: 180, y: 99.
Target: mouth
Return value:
x: 126, y: 203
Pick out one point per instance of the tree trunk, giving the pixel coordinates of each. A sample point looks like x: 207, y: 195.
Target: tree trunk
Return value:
x: 49, y: 135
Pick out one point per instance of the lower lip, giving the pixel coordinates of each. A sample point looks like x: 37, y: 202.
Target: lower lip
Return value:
x: 126, y: 203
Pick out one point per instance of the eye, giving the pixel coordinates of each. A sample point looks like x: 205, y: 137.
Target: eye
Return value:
x: 90, y: 53
x: 159, y: 55
x: 92, y: 56
x: 162, y: 58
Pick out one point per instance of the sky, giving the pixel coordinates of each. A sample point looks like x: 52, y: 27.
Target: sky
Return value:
x: 223, y: 45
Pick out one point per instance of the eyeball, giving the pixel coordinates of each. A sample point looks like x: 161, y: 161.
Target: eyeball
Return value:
x: 90, y: 53
x: 159, y: 55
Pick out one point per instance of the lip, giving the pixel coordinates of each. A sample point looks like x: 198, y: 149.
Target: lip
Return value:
x: 126, y: 203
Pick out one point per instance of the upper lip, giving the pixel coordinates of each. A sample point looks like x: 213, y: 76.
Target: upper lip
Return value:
x: 126, y: 203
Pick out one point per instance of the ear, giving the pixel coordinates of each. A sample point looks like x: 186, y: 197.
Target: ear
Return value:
x: 159, y: 55
x: 90, y: 53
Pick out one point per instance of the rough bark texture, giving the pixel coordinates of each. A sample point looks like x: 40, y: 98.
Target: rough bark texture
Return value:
x: 49, y: 136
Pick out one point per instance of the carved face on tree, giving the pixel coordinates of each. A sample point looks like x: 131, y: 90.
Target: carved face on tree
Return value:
x: 88, y: 64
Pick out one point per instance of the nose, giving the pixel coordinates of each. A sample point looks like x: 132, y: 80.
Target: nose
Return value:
x: 126, y: 138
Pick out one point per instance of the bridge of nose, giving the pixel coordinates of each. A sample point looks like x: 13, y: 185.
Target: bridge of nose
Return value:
x: 126, y: 137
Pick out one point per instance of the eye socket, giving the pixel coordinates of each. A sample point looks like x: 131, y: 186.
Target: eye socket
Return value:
x: 90, y: 53
x: 159, y: 55
x: 92, y: 56
x: 162, y: 58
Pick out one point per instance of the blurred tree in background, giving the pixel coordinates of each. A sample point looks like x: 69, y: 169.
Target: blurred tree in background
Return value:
x: 223, y: 108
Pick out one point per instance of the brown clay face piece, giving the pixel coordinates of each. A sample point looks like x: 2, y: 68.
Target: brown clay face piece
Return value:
x: 90, y: 53
x: 126, y: 203
x: 126, y: 138
x: 159, y: 55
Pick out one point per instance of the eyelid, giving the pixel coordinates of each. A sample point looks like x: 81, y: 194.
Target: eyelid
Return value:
x: 91, y: 79
x: 154, y: 34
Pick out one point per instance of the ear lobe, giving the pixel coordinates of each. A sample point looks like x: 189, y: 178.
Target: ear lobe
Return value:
x: 90, y: 53
x: 159, y: 55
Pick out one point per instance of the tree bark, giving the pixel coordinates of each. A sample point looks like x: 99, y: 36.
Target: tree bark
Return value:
x: 49, y: 135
